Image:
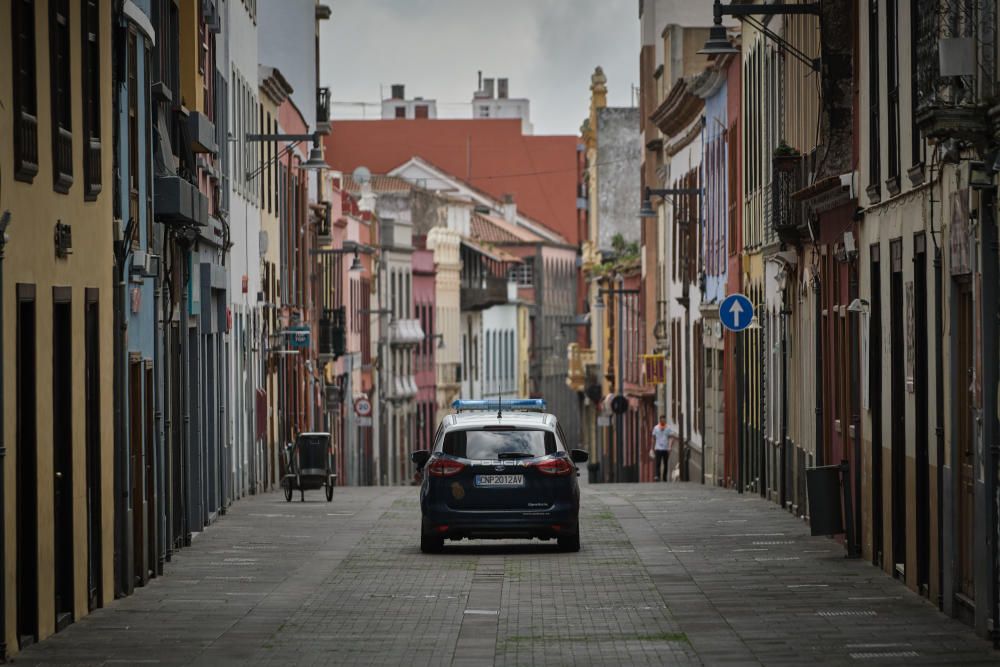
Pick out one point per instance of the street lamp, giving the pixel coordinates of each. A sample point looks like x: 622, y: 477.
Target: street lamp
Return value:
x: 646, y: 211
x: 315, y: 161
x: 719, y: 44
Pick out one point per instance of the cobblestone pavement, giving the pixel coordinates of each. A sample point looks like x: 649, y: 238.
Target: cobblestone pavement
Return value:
x: 668, y: 574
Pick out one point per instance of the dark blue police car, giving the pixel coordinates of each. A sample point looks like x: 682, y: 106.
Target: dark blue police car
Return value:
x: 499, y: 469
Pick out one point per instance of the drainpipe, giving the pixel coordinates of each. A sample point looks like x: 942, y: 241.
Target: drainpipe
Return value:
x: 819, y: 373
x: 4, y: 221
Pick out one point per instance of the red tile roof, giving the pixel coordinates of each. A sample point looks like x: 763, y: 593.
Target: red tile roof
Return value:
x: 380, y: 184
x: 489, y: 154
x: 491, y: 229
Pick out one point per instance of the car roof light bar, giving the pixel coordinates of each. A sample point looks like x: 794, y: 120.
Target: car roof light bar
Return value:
x: 488, y: 405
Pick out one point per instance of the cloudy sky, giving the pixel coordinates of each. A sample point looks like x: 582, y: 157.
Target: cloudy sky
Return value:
x: 547, y: 48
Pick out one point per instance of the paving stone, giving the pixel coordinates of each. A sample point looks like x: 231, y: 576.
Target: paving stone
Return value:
x: 668, y: 574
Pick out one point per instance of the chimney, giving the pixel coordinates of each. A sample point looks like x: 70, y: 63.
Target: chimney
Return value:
x: 488, y: 88
x: 480, y: 86
x: 509, y: 208
x: 398, y: 91
x: 502, y: 89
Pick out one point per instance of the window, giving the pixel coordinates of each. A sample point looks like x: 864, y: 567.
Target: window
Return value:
x: 522, y: 274
x: 62, y: 111
x: 133, y: 134
x: 90, y: 20
x: 400, y: 112
x: 25, y: 90
x: 496, y: 443
x: 420, y: 111
x: 874, y: 148
x: 892, y: 90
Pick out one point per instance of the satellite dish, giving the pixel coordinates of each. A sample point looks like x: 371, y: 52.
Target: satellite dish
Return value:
x: 361, y: 175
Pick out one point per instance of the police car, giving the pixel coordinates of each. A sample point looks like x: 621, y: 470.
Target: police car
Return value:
x: 499, y: 469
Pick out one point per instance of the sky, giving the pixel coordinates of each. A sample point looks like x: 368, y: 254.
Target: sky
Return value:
x: 546, y: 48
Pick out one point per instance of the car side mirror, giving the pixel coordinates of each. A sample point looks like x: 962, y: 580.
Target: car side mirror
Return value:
x: 579, y: 455
x: 420, y: 457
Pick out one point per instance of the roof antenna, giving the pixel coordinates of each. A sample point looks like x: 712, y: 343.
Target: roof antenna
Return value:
x: 499, y: 406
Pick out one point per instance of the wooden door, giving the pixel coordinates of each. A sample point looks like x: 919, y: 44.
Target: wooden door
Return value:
x: 963, y: 440
x: 875, y: 402
x: 62, y: 459
x: 93, y: 449
x: 26, y: 457
x: 136, y: 467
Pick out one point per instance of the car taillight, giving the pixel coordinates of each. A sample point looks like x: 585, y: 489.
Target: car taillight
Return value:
x: 556, y: 467
x: 445, y: 468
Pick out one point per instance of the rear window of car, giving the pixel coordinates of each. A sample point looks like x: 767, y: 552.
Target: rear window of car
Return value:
x: 492, y: 444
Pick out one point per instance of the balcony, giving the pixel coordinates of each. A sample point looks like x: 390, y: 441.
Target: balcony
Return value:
x: 323, y: 110
x: 332, y: 333
x: 490, y: 291
x: 787, y: 220
x: 25, y: 146
x: 62, y: 154
x: 405, y: 333
x: 178, y: 201
x: 92, y: 169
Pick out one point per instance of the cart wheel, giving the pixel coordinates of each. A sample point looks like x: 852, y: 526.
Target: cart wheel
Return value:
x: 329, y: 491
x: 288, y: 492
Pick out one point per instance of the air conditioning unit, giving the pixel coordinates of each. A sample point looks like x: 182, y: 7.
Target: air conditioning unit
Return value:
x: 145, y: 264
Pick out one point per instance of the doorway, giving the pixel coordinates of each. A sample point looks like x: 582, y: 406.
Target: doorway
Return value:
x: 875, y: 402
x: 62, y: 454
x: 27, y: 472
x: 137, y: 479
x: 92, y: 405
x: 897, y: 409
x: 152, y: 525
x: 963, y: 439
x: 921, y: 431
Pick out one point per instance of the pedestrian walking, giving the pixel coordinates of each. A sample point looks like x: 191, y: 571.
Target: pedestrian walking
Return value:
x: 661, y: 449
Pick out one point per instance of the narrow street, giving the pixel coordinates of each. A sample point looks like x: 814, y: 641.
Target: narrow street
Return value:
x: 668, y: 574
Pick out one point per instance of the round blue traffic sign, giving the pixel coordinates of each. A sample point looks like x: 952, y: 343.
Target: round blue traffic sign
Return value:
x: 736, y: 312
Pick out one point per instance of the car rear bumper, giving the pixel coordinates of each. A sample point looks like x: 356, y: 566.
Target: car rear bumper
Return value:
x: 442, y: 521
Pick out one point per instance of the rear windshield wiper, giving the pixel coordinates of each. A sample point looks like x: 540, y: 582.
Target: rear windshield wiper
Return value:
x: 515, y: 455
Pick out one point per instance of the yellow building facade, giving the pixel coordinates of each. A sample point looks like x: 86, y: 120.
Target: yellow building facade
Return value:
x: 56, y: 183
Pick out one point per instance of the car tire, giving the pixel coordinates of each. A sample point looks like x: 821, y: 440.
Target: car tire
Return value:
x: 431, y: 544
x: 570, y: 543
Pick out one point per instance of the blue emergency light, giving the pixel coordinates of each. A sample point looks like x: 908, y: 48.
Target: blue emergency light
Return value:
x: 490, y: 404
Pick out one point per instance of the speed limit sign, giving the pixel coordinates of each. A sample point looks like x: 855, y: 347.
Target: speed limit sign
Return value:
x: 362, y: 406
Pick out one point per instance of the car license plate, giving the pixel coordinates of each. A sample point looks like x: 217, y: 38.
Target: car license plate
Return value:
x: 499, y: 480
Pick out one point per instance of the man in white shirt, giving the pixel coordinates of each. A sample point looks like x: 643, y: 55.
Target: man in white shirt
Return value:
x: 661, y: 448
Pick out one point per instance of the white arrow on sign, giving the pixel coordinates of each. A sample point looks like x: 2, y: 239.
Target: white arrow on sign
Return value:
x: 736, y: 310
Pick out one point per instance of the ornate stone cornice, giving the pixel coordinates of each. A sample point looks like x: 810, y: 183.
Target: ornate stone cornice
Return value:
x: 679, y: 110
